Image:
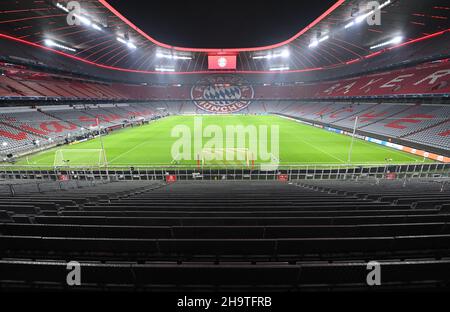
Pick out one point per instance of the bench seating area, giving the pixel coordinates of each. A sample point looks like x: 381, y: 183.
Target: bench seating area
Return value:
x: 27, y: 129
x: 228, y: 235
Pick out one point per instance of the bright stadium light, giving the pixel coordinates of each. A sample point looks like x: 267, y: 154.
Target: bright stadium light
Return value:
x: 53, y: 44
x: 131, y: 45
x: 62, y: 7
x: 165, y: 69
x: 385, y: 4
x: 121, y: 40
x: 96, y: 27
x: 127, y: 43
x: 83, y: 20
x: 285, y: 53
x: 324, y: 38
x: 313, y: 43
x: 261, y: 57
x: 171, y: 56
x: 349, y: 25
x: 361, y: 18
x: 280, y: 68
x: 395, y: 40
x: 273, y: 55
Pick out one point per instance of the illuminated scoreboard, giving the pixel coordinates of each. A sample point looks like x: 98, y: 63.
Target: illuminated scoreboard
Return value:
x: 222, y: 62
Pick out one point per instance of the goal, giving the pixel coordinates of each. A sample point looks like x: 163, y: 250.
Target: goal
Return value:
x: 80, y: 157
x: 226, y: 156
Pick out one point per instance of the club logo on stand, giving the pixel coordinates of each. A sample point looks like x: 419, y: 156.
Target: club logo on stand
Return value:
x: 222, y: 62
x: 222, y: 94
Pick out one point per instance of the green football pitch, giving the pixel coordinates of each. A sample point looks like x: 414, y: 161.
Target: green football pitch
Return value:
x: 152, y: 145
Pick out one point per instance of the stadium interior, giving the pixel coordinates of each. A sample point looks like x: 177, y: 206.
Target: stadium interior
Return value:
x: 88, y: 107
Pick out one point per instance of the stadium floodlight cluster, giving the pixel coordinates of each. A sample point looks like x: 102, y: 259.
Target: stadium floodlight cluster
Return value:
x: 83, y: 20
x: 62, y: 7
x: 275, y: 54
x: 127, y: 43
x: 173, y: 56
x: 316, y: 42
x: 285, y: 53
x: 53, y: 44
x: 280, y: 68
x: 164, y: 69
x: 395, y: 40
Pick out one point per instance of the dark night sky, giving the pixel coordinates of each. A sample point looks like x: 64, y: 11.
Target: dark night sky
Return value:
x: 221, y: 24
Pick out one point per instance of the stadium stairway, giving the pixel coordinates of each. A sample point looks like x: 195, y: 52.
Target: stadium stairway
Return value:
x: 228, y: 236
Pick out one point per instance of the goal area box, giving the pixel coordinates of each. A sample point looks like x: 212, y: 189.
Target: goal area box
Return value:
x: 225, y: 156
x: 80, y: 157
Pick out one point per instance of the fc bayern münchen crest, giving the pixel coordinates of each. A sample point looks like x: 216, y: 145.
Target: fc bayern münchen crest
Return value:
x: 222, y: 94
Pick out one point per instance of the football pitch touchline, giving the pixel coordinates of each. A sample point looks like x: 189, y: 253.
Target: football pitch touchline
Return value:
x: 392, y: 149
x: 358, y: 140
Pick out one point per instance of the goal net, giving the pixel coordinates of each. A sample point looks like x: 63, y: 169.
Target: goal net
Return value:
x: 80, y: 157
x: 226, y: 156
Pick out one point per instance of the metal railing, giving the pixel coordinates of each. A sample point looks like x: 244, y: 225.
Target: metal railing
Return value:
x: 220, y: 172
x: 14, y: 187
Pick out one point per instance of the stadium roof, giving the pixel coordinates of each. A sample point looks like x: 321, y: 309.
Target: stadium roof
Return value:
x: 108, y: 39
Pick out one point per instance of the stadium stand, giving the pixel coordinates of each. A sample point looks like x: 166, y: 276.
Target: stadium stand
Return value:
x: 38, y: 123
x: 372, y: 113
x: 412, y: 120
x: 20, y: 82
x: 436, y: 136
x: 14, y: 140
x: 426, y: 79
x: 280, y: 236
x: 25, y: 129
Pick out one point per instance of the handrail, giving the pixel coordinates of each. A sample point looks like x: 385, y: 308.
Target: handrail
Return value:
x: 282, y: 166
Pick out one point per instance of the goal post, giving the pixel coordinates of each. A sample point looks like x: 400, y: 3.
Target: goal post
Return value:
x: 226, y: 156
x: 80, y: 157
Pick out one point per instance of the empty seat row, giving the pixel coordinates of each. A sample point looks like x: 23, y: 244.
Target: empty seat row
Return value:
x: 290, y: 276
x: 223, y: 232
x: 166, y: 249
